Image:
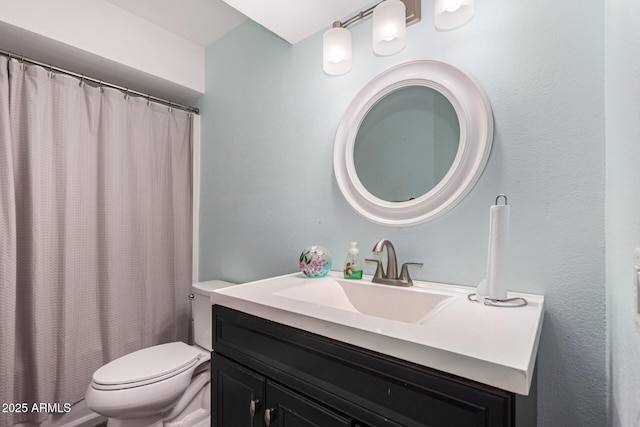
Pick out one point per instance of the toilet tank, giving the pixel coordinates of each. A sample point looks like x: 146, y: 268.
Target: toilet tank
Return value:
x: 201, y: 311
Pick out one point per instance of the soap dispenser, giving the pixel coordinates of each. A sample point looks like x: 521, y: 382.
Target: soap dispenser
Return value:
x: 353, y: 265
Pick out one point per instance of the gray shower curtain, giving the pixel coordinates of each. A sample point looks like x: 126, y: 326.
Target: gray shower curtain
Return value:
x: 95, y: 233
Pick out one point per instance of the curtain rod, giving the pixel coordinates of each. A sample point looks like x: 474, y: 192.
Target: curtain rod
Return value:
x: 125, y: 90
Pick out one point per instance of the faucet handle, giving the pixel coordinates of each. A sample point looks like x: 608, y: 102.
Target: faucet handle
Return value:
x: 404, y: 272
x: 379, y: 269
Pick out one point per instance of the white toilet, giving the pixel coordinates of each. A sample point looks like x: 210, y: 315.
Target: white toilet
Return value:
x: 164, y: 385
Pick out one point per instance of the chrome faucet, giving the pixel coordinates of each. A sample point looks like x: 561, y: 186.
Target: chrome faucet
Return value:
x: 391, y: 277
x: 392, y: 262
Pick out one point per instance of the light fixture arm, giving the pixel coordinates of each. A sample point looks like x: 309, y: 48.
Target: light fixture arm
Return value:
x: 357, y: 17
x: 412, y: 7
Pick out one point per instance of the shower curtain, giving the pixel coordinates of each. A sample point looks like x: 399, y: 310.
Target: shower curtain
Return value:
x: 95, y: 234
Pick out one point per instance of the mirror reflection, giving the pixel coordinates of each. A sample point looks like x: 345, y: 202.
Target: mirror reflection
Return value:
x: 406, y: 143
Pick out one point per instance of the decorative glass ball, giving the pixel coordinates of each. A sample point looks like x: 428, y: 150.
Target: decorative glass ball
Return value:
x: 315, y: 261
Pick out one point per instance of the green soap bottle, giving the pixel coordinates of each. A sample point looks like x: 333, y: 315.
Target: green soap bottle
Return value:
x: 353, y: 265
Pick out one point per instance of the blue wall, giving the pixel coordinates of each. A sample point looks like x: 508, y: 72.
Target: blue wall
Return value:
x: 268, y: 122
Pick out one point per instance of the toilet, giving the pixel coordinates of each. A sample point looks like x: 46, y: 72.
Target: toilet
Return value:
x: 164, y: 385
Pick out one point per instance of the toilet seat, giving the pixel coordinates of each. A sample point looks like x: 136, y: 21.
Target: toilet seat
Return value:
x: 146, y: 366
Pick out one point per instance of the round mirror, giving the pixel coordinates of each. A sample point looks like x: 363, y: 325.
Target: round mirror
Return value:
x: 406, y: 144
x: 413, y: 142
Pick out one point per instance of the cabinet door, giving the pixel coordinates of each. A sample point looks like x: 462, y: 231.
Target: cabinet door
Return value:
x: 286, y: 408
x: 237, y: 394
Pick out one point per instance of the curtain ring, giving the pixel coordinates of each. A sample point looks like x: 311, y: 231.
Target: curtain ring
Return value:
x: 81, y: 84
x: 50, y: 74
x: 101, y: 89
x: 170, y: 106
x: 23, y: 66
x: 148, y: 100
x: 126, y: 94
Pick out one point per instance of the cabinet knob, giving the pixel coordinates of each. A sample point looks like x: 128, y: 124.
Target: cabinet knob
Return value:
x: 267, y: 416
x: 252, y: 407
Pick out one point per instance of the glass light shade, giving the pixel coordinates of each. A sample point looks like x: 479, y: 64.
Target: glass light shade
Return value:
x: 452, y: 14
x: 336, y: 51
x: 389, y: 27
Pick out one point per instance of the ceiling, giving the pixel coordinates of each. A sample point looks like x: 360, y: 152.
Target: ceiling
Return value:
x: 199, y: 21
x: 205, y: 21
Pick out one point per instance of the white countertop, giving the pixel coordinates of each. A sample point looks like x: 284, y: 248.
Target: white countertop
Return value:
x: 492, y: 345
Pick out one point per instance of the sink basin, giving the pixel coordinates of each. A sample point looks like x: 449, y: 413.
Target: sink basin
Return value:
x: 408, y: 305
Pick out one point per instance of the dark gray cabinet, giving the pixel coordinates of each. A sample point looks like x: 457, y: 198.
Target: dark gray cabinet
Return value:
x: 298, y: 379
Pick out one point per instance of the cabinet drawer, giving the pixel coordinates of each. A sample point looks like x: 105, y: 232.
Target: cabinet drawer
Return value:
x: 370, y: 387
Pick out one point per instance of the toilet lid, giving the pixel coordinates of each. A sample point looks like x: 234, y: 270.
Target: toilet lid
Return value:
x: 146, y: 366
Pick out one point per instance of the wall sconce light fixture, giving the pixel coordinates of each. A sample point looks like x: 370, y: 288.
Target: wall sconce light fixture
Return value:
x: 336, y: 50
x: 390, y: 21
x: 389, y: 27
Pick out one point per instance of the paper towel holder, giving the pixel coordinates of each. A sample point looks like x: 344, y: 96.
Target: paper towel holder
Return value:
x: 509, y: 302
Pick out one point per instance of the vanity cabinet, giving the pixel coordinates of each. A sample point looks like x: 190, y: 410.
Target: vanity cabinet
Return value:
x: 295, y: 378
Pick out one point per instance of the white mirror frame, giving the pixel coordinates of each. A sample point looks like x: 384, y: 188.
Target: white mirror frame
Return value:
x: 476, y: 136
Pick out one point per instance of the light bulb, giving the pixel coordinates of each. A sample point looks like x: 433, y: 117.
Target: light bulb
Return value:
x: 453, y: 5
x: 336, y: 56
x: 389, y: 33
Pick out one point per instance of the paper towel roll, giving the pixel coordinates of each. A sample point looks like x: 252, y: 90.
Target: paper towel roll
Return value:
x: 496, y: 286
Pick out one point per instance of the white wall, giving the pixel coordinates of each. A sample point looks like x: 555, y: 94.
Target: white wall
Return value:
x: 622, y: 64
x: 269, y: 119
x: 101, y: 40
